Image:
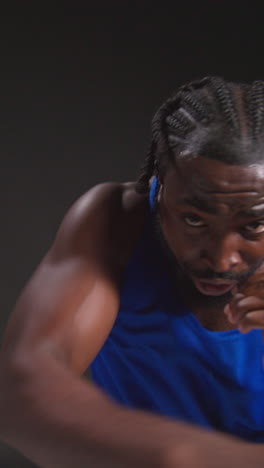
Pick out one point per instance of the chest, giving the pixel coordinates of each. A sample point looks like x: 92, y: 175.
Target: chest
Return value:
x: 174, y: 366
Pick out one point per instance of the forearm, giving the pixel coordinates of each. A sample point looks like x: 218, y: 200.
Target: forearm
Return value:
x: 58, y: 420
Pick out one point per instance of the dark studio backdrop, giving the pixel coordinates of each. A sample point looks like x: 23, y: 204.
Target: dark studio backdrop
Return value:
x: 79, y: 86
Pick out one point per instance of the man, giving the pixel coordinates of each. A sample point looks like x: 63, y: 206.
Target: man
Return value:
x: 160, y: 291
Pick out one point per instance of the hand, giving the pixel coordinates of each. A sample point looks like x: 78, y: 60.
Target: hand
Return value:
x: 246, y: 308
x: 217, y: 450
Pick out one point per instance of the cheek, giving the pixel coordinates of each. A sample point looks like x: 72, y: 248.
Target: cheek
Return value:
x: 186, y: 249
x: 256, y: 249
x: 251, y: 250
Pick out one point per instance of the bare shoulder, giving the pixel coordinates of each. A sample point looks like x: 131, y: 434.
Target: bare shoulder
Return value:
x: 112, y: 199
x: 107, y: 219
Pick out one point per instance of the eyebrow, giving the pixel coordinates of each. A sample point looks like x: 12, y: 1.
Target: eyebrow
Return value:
x: 203, y: 205
x: 252, y: 213
x: 199, y: 204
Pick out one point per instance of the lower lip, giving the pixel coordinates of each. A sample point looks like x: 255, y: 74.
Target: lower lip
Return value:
x: 210, y: 289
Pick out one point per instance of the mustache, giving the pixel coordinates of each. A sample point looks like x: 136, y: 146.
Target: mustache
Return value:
x: 227, y: 275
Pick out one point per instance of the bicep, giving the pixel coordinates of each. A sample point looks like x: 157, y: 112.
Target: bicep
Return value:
x: 67, y: 309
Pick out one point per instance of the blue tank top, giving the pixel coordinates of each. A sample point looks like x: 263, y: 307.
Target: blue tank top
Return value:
x: 158, y: 357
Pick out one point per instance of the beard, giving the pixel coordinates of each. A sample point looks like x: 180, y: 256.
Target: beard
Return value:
x: 182, y: 283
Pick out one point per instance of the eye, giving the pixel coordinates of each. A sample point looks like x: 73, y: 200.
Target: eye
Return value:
x: 194, y: 220
x: 256, y: 227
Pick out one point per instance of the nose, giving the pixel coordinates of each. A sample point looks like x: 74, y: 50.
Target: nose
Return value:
x: 223, y: 253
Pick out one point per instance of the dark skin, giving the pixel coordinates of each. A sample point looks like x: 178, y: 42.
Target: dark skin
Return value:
x: 68, y: 308
x: 213, y: 223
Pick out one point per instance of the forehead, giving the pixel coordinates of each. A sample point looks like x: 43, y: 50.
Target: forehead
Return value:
x: 203, y: 178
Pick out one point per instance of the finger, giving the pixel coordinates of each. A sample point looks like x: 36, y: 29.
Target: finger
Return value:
x: 243, y: 306
x: 251, y: 321
x: 235, y: 299
x: 231, y: 307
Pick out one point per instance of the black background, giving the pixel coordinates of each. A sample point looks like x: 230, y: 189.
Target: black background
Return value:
x: 79, y: 86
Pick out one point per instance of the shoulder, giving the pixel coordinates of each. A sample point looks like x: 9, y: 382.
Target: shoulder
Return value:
x: 112, y: 197
x: 106, y: 219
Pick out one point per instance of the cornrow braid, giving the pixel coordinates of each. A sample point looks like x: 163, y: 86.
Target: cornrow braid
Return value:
x: 196, y: 110
x: 181, y: 121
x: 225, y: 101
x: 147, y: 170
x: 181, y: 124
x: 150, y: 165
x: 256, y: 108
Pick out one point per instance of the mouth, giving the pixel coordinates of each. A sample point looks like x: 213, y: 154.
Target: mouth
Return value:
x: 214, y: 288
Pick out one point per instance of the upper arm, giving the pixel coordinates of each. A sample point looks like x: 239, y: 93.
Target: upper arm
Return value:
x: 70, y: 303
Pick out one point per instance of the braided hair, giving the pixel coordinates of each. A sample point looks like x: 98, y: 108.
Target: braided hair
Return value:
x: 209, y: 117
